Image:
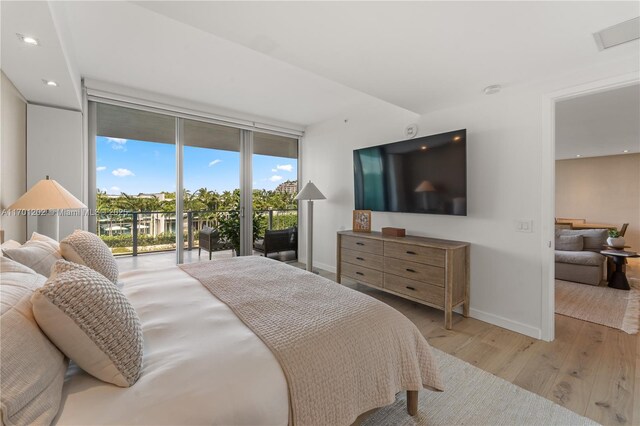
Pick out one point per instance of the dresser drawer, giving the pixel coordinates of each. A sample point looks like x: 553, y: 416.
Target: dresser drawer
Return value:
x: 362, y: 258
x: 412, y: 253
x: 415, y: 271
x: 364, y: 275
x: 362, y: 244
x: 416, y: 289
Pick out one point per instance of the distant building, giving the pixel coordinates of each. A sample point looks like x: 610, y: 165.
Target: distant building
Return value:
x: 289, y: 187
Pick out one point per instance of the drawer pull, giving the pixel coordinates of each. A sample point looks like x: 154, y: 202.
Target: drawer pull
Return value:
x: 411, y: 288
x: 359, y: 258
x: 360, y: 273
x: 411, y: 252
x: 359, y: 243
x: 410, y: 270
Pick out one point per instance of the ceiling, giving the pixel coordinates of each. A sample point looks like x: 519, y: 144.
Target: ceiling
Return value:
x: 305, y: 62
x: 605, y: 123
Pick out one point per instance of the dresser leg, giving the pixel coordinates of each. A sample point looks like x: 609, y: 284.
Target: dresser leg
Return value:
x: 465, y: 309
x: 448, y: 319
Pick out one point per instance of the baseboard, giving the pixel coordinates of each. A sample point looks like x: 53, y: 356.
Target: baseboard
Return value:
x: 325, y: 267
x: 503, y: 322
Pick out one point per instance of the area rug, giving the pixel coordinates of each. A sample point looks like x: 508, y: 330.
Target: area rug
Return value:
x: 602, y: 305
x: 474, y: 397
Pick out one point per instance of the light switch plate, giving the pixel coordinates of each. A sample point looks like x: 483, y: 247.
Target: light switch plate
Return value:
x: 524, y: 225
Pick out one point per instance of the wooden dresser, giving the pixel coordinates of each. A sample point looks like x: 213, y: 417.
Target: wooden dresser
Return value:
x: 426, y: 270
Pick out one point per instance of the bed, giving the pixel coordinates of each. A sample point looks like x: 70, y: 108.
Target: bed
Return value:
x: 204, y: 365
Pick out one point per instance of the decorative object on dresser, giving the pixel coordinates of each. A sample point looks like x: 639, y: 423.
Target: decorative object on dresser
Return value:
x: 430, y: 271
x: 362, y: 221
x: 310, y: 192
x: 48, y: 195
x: 393, y: 232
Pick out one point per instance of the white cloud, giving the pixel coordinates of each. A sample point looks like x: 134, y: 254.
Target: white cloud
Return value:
x: 115, y: 189
x: 275, y: 178
x: 214, y: 162
x: 100, y: 168
x: 117, y: 143
x: 122, y: 172
x: 283, y: 167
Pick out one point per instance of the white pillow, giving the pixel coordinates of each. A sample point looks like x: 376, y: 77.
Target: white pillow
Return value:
x: 39, y: 255
x: 40, y: 237
x: 9, y: 245
x: 32, y: 368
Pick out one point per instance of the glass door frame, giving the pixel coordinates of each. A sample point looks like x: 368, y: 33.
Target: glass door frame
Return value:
x: 246, y: 163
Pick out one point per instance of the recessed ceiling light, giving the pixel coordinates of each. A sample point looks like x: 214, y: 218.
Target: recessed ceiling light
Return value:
x: 493, y: 89
x: 578, y: 155
x: 28, y: 39
x: 423, y: 147
x: 625, y: 151
x: 50, y: 83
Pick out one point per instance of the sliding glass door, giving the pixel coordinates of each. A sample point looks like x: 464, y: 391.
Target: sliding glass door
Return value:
x: 134, y: 178
x: 169, y: 183
x: 211, y: 194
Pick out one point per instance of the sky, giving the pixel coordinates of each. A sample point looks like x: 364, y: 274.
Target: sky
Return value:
x: 130, y: 166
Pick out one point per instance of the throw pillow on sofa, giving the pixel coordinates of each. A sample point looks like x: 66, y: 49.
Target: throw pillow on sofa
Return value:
x: 569, y: 242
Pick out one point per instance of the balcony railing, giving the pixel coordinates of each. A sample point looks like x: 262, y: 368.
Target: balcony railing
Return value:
x: 131, y: 233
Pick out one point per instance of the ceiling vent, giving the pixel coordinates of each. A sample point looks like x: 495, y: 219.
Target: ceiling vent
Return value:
x: 618, y: 34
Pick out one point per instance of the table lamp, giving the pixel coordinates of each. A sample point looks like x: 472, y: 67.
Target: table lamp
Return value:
x: 310, y: 192
x: 48, y: 195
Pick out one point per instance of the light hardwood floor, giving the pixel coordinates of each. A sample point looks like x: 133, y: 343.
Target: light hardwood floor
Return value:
x: 590, y: 369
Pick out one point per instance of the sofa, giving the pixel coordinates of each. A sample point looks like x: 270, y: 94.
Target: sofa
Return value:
x: 277, y: 241
x: 577, y: 255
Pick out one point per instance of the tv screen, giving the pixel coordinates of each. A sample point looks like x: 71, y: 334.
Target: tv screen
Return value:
x: 421, y: 175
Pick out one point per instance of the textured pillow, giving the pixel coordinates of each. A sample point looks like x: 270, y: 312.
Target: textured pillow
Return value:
x: 92, y: 322
x: 88, y: 249
x: 37, y: 255
x: 31, y: 367
x: 569, y: 242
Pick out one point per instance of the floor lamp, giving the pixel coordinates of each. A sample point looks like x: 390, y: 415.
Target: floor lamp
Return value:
x: 48, y: 195
x: 310, y: 192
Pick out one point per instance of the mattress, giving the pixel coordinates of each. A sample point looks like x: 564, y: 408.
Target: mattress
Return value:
x: 202, y: 365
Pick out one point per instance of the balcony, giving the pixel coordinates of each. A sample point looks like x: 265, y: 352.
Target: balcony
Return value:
x: 134, y: 233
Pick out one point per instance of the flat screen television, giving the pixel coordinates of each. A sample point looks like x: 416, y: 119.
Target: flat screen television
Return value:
x: 421, y: 175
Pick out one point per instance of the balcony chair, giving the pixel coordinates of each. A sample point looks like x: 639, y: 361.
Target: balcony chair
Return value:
x: 277, y: 241
x: 209, y: 240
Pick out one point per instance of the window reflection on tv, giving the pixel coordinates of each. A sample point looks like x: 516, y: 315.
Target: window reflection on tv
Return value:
x: 421, y: 175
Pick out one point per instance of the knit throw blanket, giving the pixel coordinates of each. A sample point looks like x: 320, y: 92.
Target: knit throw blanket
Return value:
x: 342, y: 352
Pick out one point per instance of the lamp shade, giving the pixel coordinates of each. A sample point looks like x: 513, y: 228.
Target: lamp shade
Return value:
x: 310, y: 192
x: 47, y: 195
x: 425, y: 186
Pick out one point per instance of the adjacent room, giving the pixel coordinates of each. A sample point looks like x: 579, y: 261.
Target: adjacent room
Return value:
x: 597, y: 216
x: 320, y: 213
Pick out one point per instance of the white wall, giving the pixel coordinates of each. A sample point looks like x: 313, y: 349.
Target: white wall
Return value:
x: 13, y: 157
x: 55, y: 148
x: 505, y: 163
x: 601, y: 190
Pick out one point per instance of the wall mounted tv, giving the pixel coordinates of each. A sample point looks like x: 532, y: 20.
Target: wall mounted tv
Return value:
x: 421, y: 175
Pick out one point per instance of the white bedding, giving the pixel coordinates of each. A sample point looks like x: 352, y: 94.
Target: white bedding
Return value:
x: 202, y: 365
